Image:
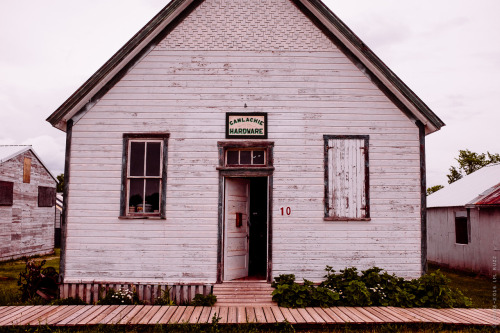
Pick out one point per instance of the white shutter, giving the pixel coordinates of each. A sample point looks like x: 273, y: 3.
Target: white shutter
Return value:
x: 347, y: 178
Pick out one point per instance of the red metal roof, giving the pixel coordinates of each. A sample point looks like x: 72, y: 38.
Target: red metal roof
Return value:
x: 492, y: 199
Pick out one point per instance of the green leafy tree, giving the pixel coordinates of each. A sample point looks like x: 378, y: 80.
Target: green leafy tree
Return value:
x: 433, y: 189
x: 469, y: 162
x: 60, y: 182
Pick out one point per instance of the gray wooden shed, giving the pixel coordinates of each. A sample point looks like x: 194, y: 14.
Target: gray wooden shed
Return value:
x: 27, y: 200
x: 464, y: 223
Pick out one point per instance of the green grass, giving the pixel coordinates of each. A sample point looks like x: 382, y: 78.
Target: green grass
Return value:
x: 9, y: 273
x: 478, y: 288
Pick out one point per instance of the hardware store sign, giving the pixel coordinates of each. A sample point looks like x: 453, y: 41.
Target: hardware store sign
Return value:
x: 246, y: 125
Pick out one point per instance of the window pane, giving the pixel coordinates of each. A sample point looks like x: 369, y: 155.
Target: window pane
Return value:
x: 153, y: 159
x: 136, y: 158
x: 232, y: 157
x: 258, y: 157
x: 136, y: 195
x: 152, y: 196
x: 6, y: 193
x: 246, y: 157
x: 461, y: 230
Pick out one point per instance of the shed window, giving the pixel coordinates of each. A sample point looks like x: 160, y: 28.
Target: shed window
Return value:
x: 145, y: 176
x: 346, y: 177
x: 6, y: 193
x: 461, y: 230
x: 46, y: 196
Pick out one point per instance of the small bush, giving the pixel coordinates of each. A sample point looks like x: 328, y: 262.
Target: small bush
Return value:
x: 68, y: 301
x: 121, y: 297
x: 204, y: 300
x: 37, y: 282
x: 372, y: 288
x: 164, y: 299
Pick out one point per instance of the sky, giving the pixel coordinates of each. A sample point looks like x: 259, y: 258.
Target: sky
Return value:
x: 446, y: 51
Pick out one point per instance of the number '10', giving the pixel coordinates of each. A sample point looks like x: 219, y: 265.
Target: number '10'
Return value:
x: 286, y: 210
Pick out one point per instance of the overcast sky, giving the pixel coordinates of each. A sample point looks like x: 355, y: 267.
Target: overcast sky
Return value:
x: 446, y: 51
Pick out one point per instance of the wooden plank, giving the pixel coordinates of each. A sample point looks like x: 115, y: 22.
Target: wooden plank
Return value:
x: 205, y: 315
x: 287, y: 315
x: 427, y: 317
x: 112, y: 314
x: 269, y: 314
x: 19, y: 312
x: 278, y: 314
x: 232, y: 315
x: 186, y: 316
x: 485, y: 315
x: 471, y: 317
x: 326, y: 318
x: 315, y: 316
x: 177, y: 314
x: 214, y: 312
x: 260, y: 317
x: 250, y: 310
x: 124, y: 310
x: 99, y: 309
x: 366, y: 317
x: 141, y: 314
x: 241, y: 315
x: 104, y: 312
x: 413, y: 317
x: 165, y: 318
x: 340, y: 314
x: 453, y: 315
x: 160, y: 311
x: 376, y: 317
x: 40, y: 320
x: 397, y: 315
x: 223, y: 314
x: 296, y: 315
x: 130, y: 315
x: 82, y: 309
x: 195, y: 316
x: 307, y: 317
x: 35, y: 317
x: 60, y: 315
x: 153, y: 309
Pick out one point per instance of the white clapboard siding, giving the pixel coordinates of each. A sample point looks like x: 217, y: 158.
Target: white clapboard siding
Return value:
x: 184, y: 87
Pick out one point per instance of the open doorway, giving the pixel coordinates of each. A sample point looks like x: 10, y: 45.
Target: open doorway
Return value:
x: 246, y: 228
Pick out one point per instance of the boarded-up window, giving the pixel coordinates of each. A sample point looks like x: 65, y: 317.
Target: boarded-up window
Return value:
x: 6, y: 193
x: 144, y: 175
x: 27, y: 170
x: 46, y: 196
x: 346, y: 174
x: 461, y: 230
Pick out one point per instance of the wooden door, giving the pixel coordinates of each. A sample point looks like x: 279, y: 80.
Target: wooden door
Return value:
x: 236, y: 209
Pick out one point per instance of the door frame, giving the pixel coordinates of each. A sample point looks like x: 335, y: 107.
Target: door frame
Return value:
x: 244, y: 172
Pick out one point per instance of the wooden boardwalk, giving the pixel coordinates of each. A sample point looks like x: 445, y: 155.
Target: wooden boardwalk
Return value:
x: 75, y: 315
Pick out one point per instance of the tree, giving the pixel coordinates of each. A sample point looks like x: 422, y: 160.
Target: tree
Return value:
x: 469, y: 162
x: 433, y: 189
x: 60, y: 184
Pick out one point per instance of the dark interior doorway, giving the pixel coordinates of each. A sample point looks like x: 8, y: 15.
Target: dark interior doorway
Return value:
x: 257, y: 266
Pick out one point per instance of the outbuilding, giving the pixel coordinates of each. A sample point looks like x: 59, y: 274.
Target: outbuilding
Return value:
x: 464, y: 223
x: 27, y: 200
x: 238, y: 139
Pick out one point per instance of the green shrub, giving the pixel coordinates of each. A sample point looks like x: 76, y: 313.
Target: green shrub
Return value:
x: 204, y: 300
x: 373, y: 287
x: 123, y: 296
x: 68, y: 301
x: 165, y: 298
x: 37, y: 282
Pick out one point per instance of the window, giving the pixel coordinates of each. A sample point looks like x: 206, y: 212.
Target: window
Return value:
x: 346, y: 177
x: 46, y: 196
x: 144, y: 175
x: 245, y: 157
x: 6, y: 193
x: 461, y: 228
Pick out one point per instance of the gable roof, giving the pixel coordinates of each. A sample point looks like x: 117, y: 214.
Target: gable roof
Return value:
x: 480, y: 188
x: 8, y: 152
x: 156, y: 29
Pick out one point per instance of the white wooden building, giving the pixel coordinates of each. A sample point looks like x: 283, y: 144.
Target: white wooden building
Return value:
x: 27, y: 199
x: 464, y: 223
x: 236, y: 138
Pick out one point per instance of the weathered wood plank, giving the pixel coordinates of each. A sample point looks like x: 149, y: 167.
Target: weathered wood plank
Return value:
x: 139, y: 317
x: 205, y: 315
x: 232, y: 313
x: 307, y: 317
x: 165, y: 315
x: 338, y: 314
x: 195, y: 316
x: 99, y: 309
x: 223, y: 314
x: 18, y: 313
x: 104, y: 312
x: 260, y: 317
x: 35, y: 317
x: 315, y: 315
x: 186, y: 315
x: 285, y: 312
x: 297, y: 316
x: 327, y: 318
x: 268, y: 313
x: 130, y: 315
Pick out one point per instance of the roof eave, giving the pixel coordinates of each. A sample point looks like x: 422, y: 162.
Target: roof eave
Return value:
x: 103, y: 75
x: 420, y: 110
